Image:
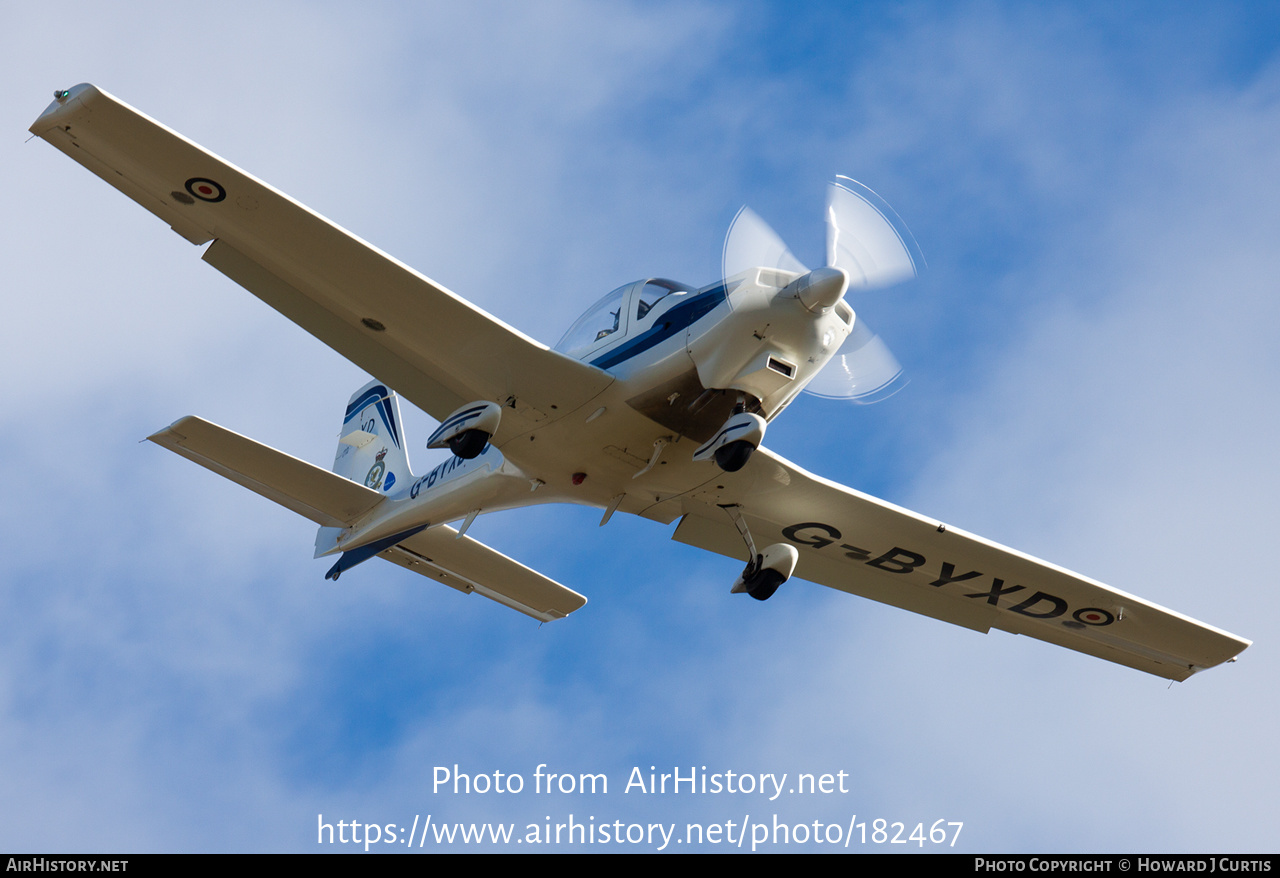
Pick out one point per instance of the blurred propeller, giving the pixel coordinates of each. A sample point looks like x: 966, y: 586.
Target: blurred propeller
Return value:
x: 863, y: 370
x: 865, y: 238
x: 752, y: 243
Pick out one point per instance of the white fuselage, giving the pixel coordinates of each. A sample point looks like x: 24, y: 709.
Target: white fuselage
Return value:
x: 680, y: 367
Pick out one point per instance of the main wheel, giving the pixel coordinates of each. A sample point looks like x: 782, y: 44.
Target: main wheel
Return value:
x: 469, y: 443
x: 734, y: 456
x: 762, y: 585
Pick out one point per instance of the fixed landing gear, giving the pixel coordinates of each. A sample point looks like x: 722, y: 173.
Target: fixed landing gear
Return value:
x: 468, y: 430
x: 469, y: 443
x: 733, y: 444
x: 766, y: 570
x: 759, y: 582
x: 734, y: 456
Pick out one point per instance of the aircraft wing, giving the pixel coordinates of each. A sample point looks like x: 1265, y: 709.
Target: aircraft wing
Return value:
x: 436, y: 349
x: 853, y: 542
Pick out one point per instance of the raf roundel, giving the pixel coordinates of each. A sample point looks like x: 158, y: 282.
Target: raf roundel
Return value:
x: 1093, y: 616
x: 206, y: 189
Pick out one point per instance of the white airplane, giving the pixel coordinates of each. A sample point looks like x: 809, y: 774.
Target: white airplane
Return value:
x: 655, y: 403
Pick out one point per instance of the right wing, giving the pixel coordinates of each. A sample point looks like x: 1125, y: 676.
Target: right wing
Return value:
x: 862, y: 545
x: 438, y: 350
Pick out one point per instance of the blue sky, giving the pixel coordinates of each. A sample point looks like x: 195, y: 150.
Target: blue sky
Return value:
x: 1093, y: 381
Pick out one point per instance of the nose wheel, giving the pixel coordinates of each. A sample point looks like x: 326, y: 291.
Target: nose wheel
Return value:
x: 734, y: 443
x: 734, y: 456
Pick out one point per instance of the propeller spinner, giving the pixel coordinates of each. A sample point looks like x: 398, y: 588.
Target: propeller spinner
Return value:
x: 871, y: 244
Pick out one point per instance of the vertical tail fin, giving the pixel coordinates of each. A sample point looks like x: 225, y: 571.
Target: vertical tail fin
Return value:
x: 371, y: 447
x: 371, y: 450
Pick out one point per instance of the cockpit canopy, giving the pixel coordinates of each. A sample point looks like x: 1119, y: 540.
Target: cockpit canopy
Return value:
x: 627, y: 308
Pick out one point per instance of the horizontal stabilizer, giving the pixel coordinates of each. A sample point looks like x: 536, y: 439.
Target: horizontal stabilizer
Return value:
x: 311, y: 491
x: 471, y: 566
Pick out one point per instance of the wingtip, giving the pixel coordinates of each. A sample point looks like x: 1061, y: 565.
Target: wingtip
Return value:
x: 171, y: 431
x: 65, y: 101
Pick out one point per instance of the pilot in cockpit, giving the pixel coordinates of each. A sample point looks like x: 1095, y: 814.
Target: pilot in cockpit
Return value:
x: 610, y: 331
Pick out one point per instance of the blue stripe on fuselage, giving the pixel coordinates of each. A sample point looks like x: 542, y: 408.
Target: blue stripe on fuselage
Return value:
x: 677, y: 320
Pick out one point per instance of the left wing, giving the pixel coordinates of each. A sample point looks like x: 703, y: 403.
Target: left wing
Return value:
x: 853, y: 542
x: 436, y: 349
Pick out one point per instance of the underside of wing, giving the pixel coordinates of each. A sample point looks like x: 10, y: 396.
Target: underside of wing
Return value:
x: 853, y: 542
x: 436, y: 349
